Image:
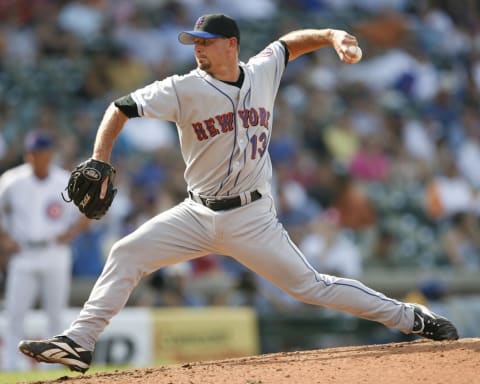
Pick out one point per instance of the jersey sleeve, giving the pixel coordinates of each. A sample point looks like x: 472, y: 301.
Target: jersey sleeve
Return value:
x: 6, y: 181
x: 157, y: 100
x: 4, y: 190
x: 271, y: 61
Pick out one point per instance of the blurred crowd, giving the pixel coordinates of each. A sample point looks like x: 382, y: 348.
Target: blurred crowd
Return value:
x: 376, y: 164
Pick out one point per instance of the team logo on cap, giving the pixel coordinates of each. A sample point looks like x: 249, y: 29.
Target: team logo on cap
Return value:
x: 199, y: 22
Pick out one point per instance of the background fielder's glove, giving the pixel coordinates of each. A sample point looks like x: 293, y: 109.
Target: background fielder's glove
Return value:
x: 85, y: 184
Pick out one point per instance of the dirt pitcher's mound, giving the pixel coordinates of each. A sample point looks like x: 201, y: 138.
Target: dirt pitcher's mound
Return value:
x: 451, y: 362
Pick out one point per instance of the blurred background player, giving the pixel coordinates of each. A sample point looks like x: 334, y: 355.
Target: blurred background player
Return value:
x: 36, y: 228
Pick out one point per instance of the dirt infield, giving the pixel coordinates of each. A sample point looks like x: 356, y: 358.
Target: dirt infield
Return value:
x: 454, y: 362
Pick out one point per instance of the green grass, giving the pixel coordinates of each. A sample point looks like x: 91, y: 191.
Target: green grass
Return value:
x: 32, y: 376
x: 53, y: 374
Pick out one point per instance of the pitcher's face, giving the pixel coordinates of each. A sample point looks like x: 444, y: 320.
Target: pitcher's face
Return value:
x: 211, y: 54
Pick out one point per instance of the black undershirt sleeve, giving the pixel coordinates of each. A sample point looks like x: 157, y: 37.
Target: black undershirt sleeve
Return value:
x: 287, y: 54
x: 127, y: 106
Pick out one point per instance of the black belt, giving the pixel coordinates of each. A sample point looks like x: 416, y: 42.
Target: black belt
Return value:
x: 225, y: 203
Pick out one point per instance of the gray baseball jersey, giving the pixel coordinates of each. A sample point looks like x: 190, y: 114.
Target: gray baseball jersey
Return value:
x: 224, y: 133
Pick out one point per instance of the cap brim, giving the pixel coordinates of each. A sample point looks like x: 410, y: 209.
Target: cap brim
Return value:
x: 188, y: 37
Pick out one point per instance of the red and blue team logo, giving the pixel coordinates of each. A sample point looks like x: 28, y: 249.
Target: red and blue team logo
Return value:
x: 265, y: 53
x: 54, y: 210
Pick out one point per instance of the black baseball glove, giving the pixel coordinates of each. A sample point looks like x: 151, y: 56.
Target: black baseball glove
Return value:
x: 85, y: 184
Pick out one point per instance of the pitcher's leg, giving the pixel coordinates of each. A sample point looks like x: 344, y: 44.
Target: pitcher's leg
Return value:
x: 174, y: 236
x: 266, y: 248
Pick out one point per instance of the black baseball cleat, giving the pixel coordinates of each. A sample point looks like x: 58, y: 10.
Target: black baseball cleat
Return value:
x: 59, y: 349
x: 432, y: 326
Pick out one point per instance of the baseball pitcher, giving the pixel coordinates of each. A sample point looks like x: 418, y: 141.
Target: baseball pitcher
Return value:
x: 223, y: 110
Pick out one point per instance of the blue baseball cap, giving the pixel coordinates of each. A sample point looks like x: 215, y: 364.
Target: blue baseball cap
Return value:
x: 209, y: 27
x: 38, y: 141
